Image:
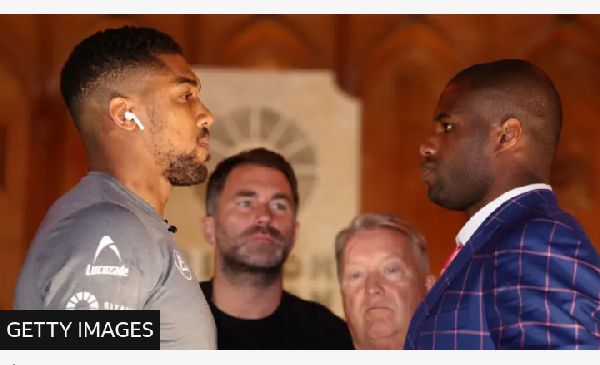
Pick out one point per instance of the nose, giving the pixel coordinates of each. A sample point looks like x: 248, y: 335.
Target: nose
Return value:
x: 373, y: 285
x: 206, y: 118
x: 429, y: 147
x: 263, y: 214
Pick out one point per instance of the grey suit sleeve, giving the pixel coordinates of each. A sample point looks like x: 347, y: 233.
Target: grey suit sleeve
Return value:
x: 98, y: 259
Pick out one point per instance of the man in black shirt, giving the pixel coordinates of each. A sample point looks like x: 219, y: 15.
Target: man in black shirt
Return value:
x: 251, y: 206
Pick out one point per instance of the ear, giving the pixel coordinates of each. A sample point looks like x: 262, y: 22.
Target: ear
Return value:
x: 509, y: 134
x: 429, y: 282
x: 117, y: 108
x: 208, y: 229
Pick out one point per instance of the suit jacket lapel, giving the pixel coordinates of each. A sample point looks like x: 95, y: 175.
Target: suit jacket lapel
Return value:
x: 479, y: 239
x: 507, y: 212
x: 481, y: 236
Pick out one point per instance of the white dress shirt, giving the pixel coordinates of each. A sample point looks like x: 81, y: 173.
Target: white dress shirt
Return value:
x: 464, y: 235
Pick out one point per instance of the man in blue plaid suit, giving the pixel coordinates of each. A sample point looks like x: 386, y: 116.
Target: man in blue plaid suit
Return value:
x: 525, y: 275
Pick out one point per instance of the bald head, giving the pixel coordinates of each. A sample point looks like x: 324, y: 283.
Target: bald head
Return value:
x: 515, y: 88
x: 496, y: 127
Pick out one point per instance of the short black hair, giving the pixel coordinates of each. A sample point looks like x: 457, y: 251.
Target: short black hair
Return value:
x: 107, y: 56
x: 258, y: 156
x: 518, y: 88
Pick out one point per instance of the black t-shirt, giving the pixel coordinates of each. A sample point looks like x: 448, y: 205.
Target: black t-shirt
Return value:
x: 297, y: 324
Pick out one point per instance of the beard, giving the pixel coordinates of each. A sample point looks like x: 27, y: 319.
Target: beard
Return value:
x: 261, y: 261
x: 461, y: 186
x: 184, y: 169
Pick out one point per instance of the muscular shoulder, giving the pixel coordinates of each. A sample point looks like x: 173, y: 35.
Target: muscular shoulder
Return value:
x: 537, y: 232
x: 106, y: 215
x: 96, y: 221
x: 535, y: 245
x: 100, y: 232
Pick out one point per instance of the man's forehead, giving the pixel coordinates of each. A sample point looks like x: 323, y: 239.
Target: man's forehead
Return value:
x: 256, y: 176
x: 376, y: 256
x: 457, y: 101
x: 379, y: 239
x: 452, y: 93
x: 249, y: 171
x: 178, y: 69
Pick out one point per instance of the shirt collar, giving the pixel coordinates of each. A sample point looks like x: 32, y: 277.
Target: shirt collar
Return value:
x: 464, y: 235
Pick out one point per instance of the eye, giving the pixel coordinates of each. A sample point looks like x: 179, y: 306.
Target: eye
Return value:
x: 447, y: 127
x: 353, y: 275
x: 394, y: 272
x: 244, y: 203
x: 279, y: 206
x: 186, y: 96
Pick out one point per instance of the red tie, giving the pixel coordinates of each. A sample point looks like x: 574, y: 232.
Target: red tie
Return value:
x: 451, y: 257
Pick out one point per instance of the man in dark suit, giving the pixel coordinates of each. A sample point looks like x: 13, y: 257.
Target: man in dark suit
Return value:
x: 524, y: 274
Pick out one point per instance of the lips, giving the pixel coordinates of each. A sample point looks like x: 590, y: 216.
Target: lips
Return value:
x: 374, y: 309
x: 427, y: 169
x: 261, y: 238
x: 204, y: 143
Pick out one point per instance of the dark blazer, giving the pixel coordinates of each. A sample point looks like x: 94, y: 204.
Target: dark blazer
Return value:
x: 528, y: 278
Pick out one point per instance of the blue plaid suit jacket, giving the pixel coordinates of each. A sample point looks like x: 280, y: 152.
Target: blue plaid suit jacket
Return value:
x: 528, y: 278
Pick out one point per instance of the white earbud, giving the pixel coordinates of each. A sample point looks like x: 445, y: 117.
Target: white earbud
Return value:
x: 129, y: 115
